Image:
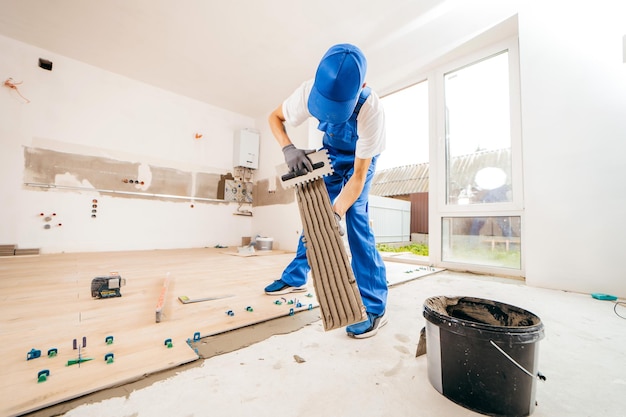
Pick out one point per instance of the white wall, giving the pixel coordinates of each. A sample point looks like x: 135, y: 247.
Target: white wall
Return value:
x: 280, y: 221
x: 78, y: 108
x: 573, y: 85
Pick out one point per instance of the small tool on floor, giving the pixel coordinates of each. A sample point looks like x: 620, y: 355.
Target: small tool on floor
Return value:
x: 603, y: 296
x: 246, y: 250
x: 80, y: 358
x: 186, y: 300
x: 107, y: 287
x: 75, y: 343
x: 161, y: 301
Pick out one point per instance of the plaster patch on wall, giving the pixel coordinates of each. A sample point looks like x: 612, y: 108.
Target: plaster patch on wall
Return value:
x: 43, y: 166
x: 48, y: 167
x: 70, y: 180
x: 206, y: 184
x: 170, y: 181
x: 144, y: 175
x: 264, y: 196
x: 271, y: 187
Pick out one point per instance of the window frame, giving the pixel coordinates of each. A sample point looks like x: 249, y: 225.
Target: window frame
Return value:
x: 439, y: 207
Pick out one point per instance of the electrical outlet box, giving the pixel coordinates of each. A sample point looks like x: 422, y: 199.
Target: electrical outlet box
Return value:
x: 246, y: 149
x: 45, y: 64
x: 240, y: 192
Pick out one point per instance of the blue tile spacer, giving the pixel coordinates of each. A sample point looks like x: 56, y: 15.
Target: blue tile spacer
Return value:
x: 291, y: 312
x: 196, y: 336
x: 33, y: 354
x: 42, y: 376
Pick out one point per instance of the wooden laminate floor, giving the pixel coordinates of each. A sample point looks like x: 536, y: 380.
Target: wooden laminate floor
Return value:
x: 45, y: 303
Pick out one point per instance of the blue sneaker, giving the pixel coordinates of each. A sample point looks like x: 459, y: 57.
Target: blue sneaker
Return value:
x: 280, y: 287
x: 367, y: 328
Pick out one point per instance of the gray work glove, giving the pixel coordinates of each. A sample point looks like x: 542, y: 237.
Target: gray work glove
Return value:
x: 342, y: 231
x: 297, y: 159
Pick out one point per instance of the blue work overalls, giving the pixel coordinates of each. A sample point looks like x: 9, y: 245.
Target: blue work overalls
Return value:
x: 367, y: 264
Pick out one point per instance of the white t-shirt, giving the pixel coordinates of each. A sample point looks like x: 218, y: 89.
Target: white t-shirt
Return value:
x: 370, y: 121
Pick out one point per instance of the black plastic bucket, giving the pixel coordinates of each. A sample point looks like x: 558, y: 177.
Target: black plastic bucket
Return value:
x: 482, y: 354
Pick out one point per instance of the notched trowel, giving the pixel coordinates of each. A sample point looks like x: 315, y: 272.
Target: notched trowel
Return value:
x: 321, y: 167
x: 333, y: 278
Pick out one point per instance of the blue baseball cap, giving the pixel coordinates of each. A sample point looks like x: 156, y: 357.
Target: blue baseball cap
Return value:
x: 338, y: 83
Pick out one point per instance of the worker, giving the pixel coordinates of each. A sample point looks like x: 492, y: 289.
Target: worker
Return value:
x: 351, y: 116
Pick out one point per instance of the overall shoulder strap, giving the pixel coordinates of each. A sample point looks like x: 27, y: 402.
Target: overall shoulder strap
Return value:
x: 365, y: 93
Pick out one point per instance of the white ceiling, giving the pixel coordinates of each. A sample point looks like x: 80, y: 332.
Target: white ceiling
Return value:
x: 244, y: 55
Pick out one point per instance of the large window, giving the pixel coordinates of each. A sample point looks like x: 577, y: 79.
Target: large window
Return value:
x: 490, y: 240
x: 469, y: 111
x: 478, y: 132
x: 480, y: 210
x: 406, y: 121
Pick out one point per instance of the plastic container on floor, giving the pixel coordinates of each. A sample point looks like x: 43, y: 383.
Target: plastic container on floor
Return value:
x: 482, y: 354
x: 264, y: 243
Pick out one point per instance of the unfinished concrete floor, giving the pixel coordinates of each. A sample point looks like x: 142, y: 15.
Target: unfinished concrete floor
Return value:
x: 582, y: 355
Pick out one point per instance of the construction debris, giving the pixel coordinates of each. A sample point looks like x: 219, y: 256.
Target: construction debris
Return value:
x: 421, y: 345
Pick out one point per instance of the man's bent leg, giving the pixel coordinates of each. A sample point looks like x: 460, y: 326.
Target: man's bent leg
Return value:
x: 294, y: 277
x: 367, y: 264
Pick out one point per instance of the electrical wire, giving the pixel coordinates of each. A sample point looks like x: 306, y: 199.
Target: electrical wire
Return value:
x: 13, y: 85
x: 619, y: 303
